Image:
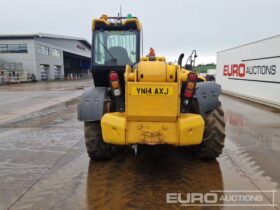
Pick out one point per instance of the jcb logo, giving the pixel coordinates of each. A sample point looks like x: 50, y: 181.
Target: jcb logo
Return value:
x: 237, y: 70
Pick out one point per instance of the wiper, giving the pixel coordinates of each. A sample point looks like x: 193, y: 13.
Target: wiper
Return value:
x: 105, y: 48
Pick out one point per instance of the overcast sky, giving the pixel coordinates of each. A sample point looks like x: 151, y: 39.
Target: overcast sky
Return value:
x: 171, y: 27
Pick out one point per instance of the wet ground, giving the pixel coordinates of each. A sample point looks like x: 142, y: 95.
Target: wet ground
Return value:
x: 44, y: 165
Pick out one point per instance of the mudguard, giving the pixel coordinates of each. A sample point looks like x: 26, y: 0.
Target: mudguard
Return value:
x: 91, y: 104
x: 207, y: 95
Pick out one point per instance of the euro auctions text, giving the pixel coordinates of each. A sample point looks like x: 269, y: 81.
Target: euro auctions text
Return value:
x: 222, y: 198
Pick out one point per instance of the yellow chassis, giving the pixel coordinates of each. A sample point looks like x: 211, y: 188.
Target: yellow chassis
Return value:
x: 152, y: 104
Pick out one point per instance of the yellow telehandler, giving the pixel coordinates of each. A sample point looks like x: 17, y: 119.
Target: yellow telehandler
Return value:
x: 145, y: 100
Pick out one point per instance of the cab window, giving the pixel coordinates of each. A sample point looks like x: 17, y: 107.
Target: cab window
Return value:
x: 114, y: 47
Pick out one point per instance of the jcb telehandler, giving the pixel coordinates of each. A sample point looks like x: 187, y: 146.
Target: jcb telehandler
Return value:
x: 145, y: 100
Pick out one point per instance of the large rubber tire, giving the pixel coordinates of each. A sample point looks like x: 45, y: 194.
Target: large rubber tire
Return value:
x: 214, y: 136
x: 97, y: 149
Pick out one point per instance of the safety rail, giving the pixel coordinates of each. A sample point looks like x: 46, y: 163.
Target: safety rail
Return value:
x: 6, y: 80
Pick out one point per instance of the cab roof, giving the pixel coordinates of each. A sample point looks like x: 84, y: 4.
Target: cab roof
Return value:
x: 116, y: 23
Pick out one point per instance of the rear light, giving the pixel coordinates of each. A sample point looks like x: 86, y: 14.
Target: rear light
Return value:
x: 188, y: 93
x: 117, y: 92
x: 190, y: 86
x: 113, y: 76
x: 192, y: 77
x: 115, y: 84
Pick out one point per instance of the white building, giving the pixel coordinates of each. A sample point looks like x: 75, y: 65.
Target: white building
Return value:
x: 47, y: 56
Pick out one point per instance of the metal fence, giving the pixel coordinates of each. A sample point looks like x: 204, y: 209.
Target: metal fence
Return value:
x: 9, y: 68
x: 4, y: 80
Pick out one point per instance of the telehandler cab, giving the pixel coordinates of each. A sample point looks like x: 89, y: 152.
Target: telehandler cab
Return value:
x: 146, y: 100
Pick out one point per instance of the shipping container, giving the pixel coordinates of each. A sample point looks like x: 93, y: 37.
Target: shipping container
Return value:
x: 252, y: 71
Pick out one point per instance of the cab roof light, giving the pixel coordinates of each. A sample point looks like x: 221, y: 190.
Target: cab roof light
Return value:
x: 129, y: 16
x: 104, y: 17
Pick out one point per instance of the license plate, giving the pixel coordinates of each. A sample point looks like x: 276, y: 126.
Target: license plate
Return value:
x: 151, y: 91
